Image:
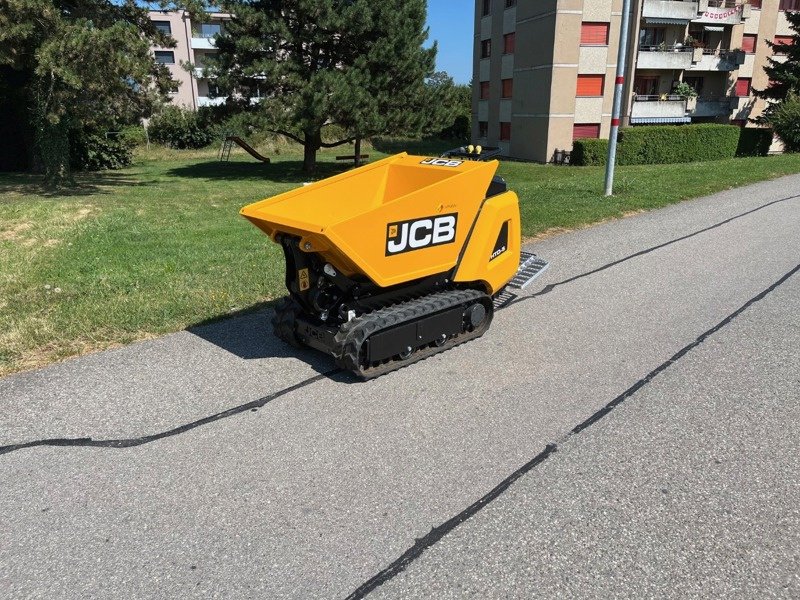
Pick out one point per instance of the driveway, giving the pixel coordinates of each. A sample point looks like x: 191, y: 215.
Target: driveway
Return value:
x: 628, y: 427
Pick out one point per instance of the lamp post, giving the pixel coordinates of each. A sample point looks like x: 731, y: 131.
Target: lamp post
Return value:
x: 619, y: 86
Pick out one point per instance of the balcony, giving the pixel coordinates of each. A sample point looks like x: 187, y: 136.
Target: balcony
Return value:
x: 209, y: 101
x: 203, y: 43
x: 664, y: 57
x: 723, y: 12
x: 709, y: 107
x: 669, y: 11
x: 666, y: 108
x: 716, y: 60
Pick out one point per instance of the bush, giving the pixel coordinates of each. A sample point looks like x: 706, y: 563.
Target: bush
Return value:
x: 662, y: 144
x: 676, y: 144
x: 134, y: 135
x: 589, y: 152
x: 785, y: 118
x: 93, y: 151
x: 182, y: 128
x: 754, y: 141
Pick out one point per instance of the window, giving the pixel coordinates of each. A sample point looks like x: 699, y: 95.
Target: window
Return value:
x: 645, y: 86
x: 213, y: 90
x: 165, y: 57
x: 743, y: 86
x: 594, y: 34
x: 696, y: 84
x: 739, y: 122
x: 486, y: 48
x: 507, y: 88
x: 755, y: 3
x: 590, y: 85
x: 210, y: 30
x: 505, y: 131
x: 511, y: 3
x: 781, y: 40
x: 508, y: 43
x: 483, y: 129
x: 749, y: 42
x: 789, y: 5
x: 487, y: 7
x: 586, y: 130
x: 484, y: 90
x: 163, y: 27
x: 651, y: 36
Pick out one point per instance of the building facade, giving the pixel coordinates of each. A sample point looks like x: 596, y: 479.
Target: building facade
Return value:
x: 544, y: 70
x: 194, y: 43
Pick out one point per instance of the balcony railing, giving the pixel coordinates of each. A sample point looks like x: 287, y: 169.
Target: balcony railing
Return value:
x: 664, y: 57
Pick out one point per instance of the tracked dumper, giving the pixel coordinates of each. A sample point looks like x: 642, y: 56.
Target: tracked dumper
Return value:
x: 394, y: 261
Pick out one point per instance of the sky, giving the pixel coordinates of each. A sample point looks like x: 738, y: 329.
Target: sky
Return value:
x: 451, y: 24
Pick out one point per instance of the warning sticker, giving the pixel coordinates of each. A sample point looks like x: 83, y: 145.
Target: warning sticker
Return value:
x: 303, y: 280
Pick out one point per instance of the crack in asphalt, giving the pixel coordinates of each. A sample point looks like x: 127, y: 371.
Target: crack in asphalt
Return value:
x: 146, y: 439
x: 254, y: 404
x: 550, y: 287
x: 435, y: 535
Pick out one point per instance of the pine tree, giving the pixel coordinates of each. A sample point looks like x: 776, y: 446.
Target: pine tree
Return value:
x: 77, y: 63
x: 784, y: 74
x: 357, y: 64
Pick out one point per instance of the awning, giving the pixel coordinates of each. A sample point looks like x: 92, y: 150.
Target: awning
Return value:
x: 713, y: 28
x: 659, y: 120
x: 665, y: 21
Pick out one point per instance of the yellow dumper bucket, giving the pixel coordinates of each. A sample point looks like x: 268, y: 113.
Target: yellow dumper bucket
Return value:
x: 366, y: 221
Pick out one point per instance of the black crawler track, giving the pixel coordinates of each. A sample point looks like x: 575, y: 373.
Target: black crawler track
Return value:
x: 351, y: 337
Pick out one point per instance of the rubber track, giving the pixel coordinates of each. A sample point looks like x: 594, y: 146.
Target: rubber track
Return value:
x: 352, y: 335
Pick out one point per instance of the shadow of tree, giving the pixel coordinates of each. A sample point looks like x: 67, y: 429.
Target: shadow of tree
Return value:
x: 289, y: 171
x: 86, y: 184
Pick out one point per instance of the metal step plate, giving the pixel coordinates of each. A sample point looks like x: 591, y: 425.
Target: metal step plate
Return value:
x: 503, y: 298
x: 530, y: 267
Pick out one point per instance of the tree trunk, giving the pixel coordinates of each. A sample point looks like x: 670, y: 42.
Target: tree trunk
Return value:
x: 52, y: 147
x: 313, y: 142
x: 357, y: 160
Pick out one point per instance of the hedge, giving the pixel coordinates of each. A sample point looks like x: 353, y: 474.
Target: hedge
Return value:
x: 674, y: 144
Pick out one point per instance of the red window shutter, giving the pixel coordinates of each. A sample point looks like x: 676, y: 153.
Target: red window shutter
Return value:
x: 484, y: 90
x: 508, y: 88
x: 505, y: 131
x: 782, y: 40
x: 594, y: 34
x: 743, y: 86
x: 508, y: 43
x: 590, y: 85
x: 586, y: 130
x: 749, y: 43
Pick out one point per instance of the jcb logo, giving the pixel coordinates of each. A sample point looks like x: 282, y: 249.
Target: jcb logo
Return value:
x: 441, y: 162
x: 405, y: 236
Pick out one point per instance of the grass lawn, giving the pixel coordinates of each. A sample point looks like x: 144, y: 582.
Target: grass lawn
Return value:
x: 160, y: 246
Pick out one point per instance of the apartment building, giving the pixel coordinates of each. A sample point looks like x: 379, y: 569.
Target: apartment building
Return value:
x: 544, y: 70
x: 194, y: 43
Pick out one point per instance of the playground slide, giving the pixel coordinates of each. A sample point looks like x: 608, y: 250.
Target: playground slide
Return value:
x: 247, y: 148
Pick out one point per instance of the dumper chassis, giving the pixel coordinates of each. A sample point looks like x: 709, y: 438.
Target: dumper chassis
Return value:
x: 396, y: 261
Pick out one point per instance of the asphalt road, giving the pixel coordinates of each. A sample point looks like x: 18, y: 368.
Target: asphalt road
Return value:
x: 627, y: 428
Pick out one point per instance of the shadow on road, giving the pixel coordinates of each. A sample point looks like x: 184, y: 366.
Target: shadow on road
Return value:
x: 248, y: 335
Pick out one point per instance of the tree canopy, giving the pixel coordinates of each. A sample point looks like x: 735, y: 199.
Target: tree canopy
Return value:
x: 356, y: 64
x: 77, y: 64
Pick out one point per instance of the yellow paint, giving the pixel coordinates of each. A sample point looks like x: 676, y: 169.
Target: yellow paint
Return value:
x: 349, y: 218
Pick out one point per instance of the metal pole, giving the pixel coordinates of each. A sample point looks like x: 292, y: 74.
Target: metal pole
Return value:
x: 619, y: 86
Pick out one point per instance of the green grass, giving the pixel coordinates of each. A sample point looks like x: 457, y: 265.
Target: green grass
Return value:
x: 160, y: 246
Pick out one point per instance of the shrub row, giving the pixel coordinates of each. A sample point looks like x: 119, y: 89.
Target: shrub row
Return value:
x: 674, y: 144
